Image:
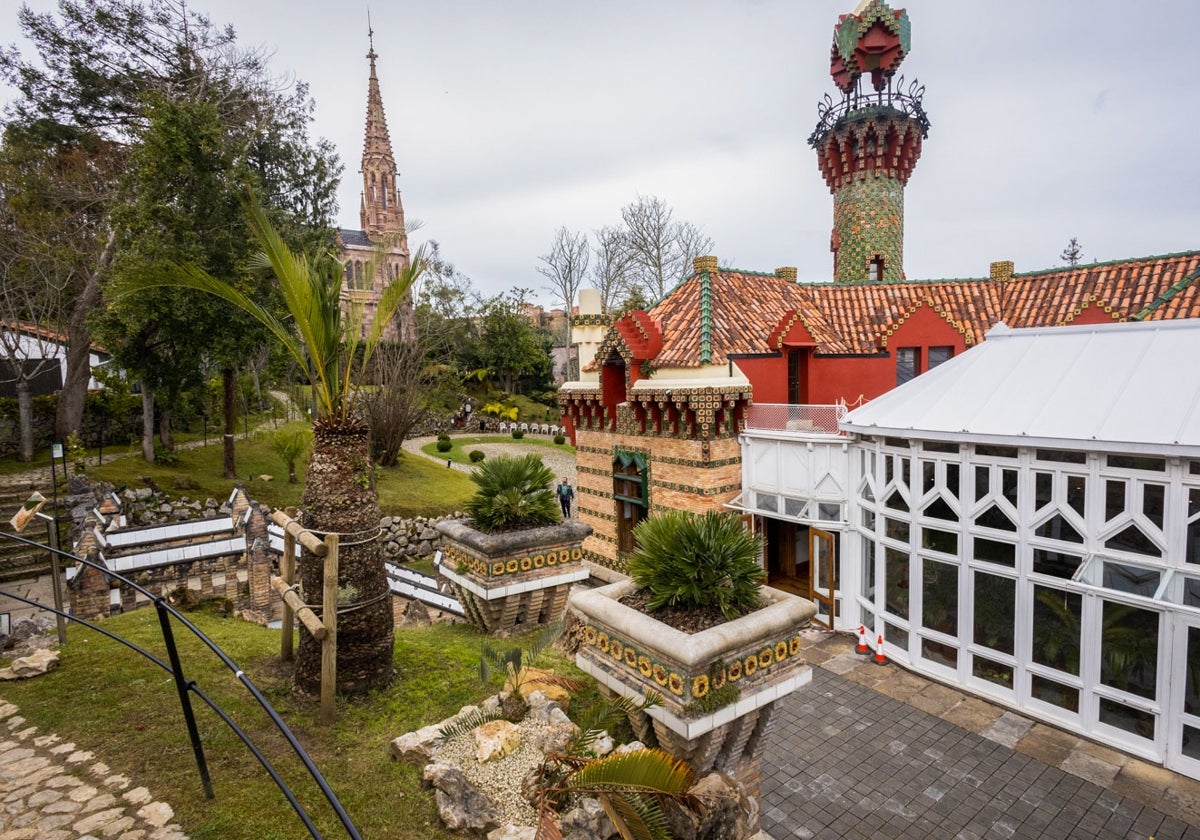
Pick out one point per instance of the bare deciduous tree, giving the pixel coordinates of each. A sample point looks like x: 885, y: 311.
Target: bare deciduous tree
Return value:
x: 612, y: 269
x: 565, y: 265
x: 662, y: 247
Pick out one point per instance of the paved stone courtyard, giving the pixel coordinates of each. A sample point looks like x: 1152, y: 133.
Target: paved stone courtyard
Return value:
x: 849, y: 761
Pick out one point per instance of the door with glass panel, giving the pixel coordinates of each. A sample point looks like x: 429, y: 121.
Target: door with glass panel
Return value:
x: 1183, y: 728
x: 822, y: 548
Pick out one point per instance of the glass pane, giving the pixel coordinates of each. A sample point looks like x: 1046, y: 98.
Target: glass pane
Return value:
x: 939, y: 445
x: 1133, y: 540
x: 868, y: 519
x: 940, y: 653
x: 1062, y: 456
x: 1008, y: 486
x: 928, y: 475
x: 768, y: 502
x: 1056, y: 618
x: 938, y: 355
x: 994, y: 672
x: 1129, y: 649
x: 939, y: 593
x: 995, y: 518
x: 1192, y: 549
x: 1123, y: 717
x: 1055, y: 563
x: 895, y: 571
x: 1058, y: 528
x: 1132, y: 579
x: 1137, y: 462
x: 939, y: 508
x: 1153, y: 502
x: 1191, y: 692
x: 895, y: 635
x: 1057, y: 694
x: 996, y: 451
x: 1077, y: 493
x: 995, y: 612
x: 896, y: 502
x: 823, y: 558
x: 994, y: 551
x: 937, y: 540
x: 897, y: 529
x: 829, y: 512
x: 982, y: 482
x: 1114, y: 499
x: 868, y: 569
x: 1191, y: 742
x: 794, y: 507
x: 1043, y: 489
x: 1191, y: 592
x: 953, y: 480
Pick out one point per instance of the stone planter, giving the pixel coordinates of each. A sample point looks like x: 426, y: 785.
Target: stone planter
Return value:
x: 515, y: 580
x: 630, y: 653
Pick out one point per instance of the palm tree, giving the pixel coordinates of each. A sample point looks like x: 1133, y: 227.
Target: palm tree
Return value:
x: 339, y: 490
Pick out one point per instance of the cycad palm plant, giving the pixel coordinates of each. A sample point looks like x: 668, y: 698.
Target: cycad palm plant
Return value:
x: 331, y: 345
x: 693, y: 562
x: 513, y: 492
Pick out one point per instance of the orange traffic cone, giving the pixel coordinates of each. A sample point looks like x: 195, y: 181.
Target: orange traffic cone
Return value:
x: 862, y: 649
x: 880, y: 659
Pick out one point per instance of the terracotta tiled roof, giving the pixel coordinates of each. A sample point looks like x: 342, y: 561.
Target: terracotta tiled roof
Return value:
x: 713, y: 315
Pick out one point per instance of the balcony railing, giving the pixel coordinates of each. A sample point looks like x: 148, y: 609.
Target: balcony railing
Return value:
x: 804, y: 419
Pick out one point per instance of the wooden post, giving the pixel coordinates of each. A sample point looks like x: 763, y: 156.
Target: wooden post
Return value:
x: 287, y: 571
x: 329, y: 645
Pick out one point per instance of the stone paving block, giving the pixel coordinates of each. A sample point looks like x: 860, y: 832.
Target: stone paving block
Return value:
x: 899, y: 684
x: 1092, y: 768
x: 1142, y: 781
x: 936, y: 699
x: 1047, y: 744
x: 973, y: 715
x: 1008, y: 729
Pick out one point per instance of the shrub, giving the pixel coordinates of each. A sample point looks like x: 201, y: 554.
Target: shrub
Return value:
x: 560, y: 439
x: 514, y: 492
x: 165, y: 457
x: 443, y: 436
x: 693, y: 562
x: 444, y: 445
x: 518, y: 434
x: 476, y: 455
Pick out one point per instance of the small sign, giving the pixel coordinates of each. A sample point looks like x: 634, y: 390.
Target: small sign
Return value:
x: 56, y: 450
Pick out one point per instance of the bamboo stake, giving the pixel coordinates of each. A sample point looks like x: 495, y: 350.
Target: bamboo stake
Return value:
x: 329, y: 645
x: 287, y: 570
x: 307, y: 617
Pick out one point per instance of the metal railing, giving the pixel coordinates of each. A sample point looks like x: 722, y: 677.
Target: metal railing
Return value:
x: 185, y: 687
x: 803, y: 419
x: 895, y: 97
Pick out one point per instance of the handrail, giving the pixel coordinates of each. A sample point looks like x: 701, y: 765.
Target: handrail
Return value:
x: 165, y: 611
x: 894, y: 97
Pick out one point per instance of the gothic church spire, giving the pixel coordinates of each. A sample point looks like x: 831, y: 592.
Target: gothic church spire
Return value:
x: 381, y: 213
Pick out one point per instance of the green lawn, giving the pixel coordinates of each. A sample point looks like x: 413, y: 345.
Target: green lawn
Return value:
x: 414, y: 487
x: 461, y: 446
x: 109, y: 700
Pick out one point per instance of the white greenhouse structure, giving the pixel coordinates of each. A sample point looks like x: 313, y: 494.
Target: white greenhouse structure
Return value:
x: 1023, y: 522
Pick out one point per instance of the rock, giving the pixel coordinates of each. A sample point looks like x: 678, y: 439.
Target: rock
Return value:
x: 530, y: 680
x: 266, y: 478
x: 602, y: 745
x: 33, y: 665
x: 546, y: 711
x: 391, y: 549
x: 555, y: 738
x: 461, y: 805
x: 495, y: 739
x: 418, y: 748
x: 491, y: 705
x: 513, y: 832
x: 632, y: 746
x: 415, y: 614
x: 587, y: 821
x: 727, y: 812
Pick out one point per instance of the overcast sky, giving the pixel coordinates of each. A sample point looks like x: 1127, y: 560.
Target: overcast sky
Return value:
x: 508, y: 119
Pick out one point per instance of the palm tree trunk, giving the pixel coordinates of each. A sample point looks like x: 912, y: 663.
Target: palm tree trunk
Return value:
x: 340, y: 497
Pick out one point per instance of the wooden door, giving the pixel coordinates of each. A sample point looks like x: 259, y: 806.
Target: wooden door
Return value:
x: 822, y: 570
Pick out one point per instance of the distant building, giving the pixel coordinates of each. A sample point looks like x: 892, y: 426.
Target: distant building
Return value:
x: 41, y: 355
x: 381, y: 215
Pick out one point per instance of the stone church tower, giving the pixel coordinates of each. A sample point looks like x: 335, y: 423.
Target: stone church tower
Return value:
x: 381, y: 215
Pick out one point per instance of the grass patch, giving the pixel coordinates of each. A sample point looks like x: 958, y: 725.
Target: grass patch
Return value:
x: 414, y: 487
x: 423, y: 565
x: 461, y: 446
x: 107, y: 699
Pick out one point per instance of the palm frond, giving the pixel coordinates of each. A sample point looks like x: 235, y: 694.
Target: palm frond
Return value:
x: 547, y: 636
x: 649, y: 771
x: 467, y: 722
x: 635, y: 817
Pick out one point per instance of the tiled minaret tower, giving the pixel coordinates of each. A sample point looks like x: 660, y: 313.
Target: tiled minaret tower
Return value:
x: 382, y: 214
x: 868, y: 143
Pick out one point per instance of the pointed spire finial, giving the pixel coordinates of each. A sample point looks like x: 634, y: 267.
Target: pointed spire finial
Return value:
x: 370, y: 39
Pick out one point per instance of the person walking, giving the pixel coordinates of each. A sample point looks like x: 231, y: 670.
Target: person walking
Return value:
x: 565, y: 494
